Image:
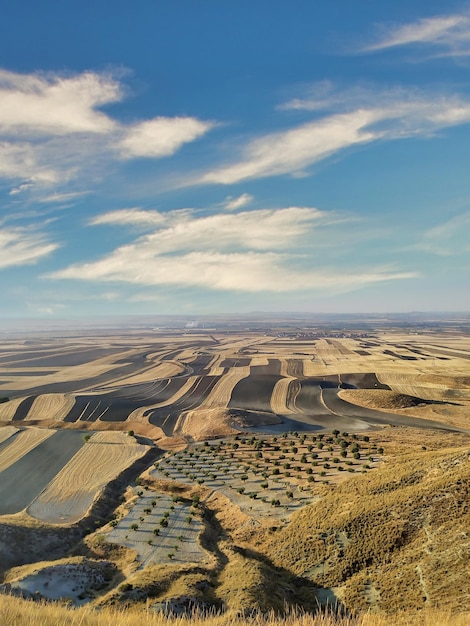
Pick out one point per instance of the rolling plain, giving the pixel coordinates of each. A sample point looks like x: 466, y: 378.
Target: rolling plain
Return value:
x: 244, y: 470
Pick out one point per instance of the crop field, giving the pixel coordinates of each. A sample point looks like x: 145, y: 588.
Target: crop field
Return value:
x: 153, y: 382
x: 69, y: 495
x: 55, y: 475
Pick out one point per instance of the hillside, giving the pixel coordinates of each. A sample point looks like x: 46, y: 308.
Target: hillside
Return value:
x: 393, y: 539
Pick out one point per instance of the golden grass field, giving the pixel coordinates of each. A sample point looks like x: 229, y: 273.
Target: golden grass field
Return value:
x: 17, y: 612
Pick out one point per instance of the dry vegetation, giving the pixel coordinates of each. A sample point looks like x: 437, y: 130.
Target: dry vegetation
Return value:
x: 16, y: 612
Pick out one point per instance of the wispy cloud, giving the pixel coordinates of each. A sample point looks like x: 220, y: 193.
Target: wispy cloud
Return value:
x: 394, y: 115
x: 161, y: 136
x: 52, y: 128
x: 232, y: 204
x: 450, y: 32
x: 21, y: 246
x: 246, y: 251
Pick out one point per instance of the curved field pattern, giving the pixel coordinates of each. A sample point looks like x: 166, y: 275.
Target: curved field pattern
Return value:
x: 221, y: 393
x: 167, y: 417
x: 70, y: 494
x: 51, y: 406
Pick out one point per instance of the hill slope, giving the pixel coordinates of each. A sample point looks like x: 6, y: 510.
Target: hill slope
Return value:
x: 398, y: 538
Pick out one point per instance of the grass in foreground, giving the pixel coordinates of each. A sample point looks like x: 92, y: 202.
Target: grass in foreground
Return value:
x: 18, y: 612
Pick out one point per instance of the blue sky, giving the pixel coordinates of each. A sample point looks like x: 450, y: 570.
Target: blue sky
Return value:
x: 229, y: 156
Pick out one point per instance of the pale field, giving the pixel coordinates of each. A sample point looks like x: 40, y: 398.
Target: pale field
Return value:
x: 51, y: 406
x: 222, y: 391
x: 259, y: 360
x: 279, y: 396
x: 205, y: 423
x: 6, y: 432
x: 8, y: 409
x: 99, y: 461
x: 23, y: 443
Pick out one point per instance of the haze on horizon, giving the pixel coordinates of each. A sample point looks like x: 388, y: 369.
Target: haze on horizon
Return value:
x: 209, y: 158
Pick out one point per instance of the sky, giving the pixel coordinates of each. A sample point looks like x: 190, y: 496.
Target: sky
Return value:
x: 231, y: 156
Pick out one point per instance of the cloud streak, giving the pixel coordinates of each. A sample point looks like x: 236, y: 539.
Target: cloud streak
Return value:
x: 451, y: 32
x: 395, y: 116
x: 248, y: 251
x: 20, y: 246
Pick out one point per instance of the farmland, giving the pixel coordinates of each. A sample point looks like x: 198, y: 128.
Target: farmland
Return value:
x: 151, y: 383
x: 185, y: 465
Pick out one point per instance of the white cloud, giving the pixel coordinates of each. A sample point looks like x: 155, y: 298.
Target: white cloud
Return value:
x: 232, y: 204
x: 132, y: 216
x: 395, y: 115
x: 161, y: 136
x: 52, y: 129
x: 19, y: 246
x: 448, y: 31
x: 63, y: 197
x: 291, y: 151
x: 183, y: 229
x: 20, y: 160
x: 52, y: 104
x: 246, y: 251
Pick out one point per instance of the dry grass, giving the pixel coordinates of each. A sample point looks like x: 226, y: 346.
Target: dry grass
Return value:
x: 398, y: 536
x: 17, y: 612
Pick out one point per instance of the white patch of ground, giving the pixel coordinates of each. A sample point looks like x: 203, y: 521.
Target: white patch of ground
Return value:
x: 73, y: 581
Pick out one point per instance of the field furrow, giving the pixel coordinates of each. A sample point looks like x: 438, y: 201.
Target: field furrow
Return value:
x: 222, y: 392
x: 51, y: 406
x: 279, y: 396
x: 23, y: 443
x: 98, y: 462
